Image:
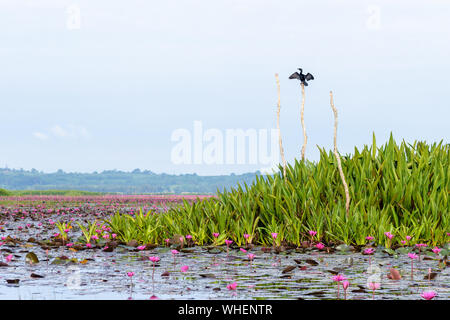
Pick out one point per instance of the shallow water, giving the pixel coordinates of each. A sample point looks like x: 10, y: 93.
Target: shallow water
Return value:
x: 104, y: 275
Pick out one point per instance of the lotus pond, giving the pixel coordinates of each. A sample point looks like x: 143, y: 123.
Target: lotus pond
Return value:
x: 38, y: 262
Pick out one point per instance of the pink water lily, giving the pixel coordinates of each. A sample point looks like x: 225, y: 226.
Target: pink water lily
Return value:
x: 428, y: 295
x: 436, y: 250
x: 154, y: 259
x: 412, y: 255
x: 320, y: 246
x: 345, y: 285
x: 374, y: 285
x: 232, y: 286
x: 184, y: 268
x: 339, y: 278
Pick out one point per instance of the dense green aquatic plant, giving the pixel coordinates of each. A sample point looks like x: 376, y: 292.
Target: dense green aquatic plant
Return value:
x: 89, y: 230
x: 64, y: 228
x: 402, y: 189
x: 140, y: 227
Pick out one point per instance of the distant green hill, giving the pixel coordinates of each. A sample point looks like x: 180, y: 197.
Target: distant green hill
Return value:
x: 114, y: 181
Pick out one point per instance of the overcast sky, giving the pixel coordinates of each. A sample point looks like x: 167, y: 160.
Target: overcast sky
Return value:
x: 98, y: 85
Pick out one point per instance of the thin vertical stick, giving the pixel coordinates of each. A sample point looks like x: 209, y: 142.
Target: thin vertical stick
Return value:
x: 305, y: 137
x: 338, y: 158
x: 278, y: 127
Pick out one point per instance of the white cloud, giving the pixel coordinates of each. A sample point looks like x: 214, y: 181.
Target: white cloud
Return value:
x: 58, y: 131
x: 40, y: 135
x: 64, y: 132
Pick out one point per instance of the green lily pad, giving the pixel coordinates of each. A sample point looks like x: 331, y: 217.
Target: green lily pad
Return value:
x: 31, y: 258
x: 344, y: 248
x: 403, y: 250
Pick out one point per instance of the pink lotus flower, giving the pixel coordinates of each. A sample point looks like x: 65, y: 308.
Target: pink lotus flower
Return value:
x: 339, y: 278
x: 274, y: 235
x: 184, y: 268
x: 246, y: 236
x: 421, y: 245
x: 369, y: 251
x: 428, y: 295
x: 403, y: 242
x: 412, y: 255
x: 320, y: 246
x: 94, y: 237
x: 174, y: 252
x: 228, y: 242
x: 189, y: 237
x: 369, y: 238
x: 389, y: 235
x: 69, y: 244
x: 141, y: 247
x: 232, y: 286
x: 436, y: 250
x: 312, y: 233
x: 408, y: 238
x: 9, y: 258
x: 88, y: 245
x: 154, y: 259
x: 243, y: 250
x: 345, y: 284
x: 130, y: 274
x: 216, y: 234
x: 114, y: 235
x: 374, y: 285
x: 250, y: 256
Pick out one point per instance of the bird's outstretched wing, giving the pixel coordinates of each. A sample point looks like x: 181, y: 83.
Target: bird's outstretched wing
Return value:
x: 309, y: 76
x: 295, y: 75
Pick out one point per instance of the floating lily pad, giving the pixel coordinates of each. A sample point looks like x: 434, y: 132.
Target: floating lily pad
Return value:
x: 31, y: 258
x: 288, y: 269
x: 12, y: 281
x: 312, y: 262
x: 34, y: 275
x: 344, y: 248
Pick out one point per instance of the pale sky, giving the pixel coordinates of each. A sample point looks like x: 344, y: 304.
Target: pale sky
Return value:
x: 106, y: 91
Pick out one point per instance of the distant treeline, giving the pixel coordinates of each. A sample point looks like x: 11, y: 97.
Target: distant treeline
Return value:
x: 114, y: 181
